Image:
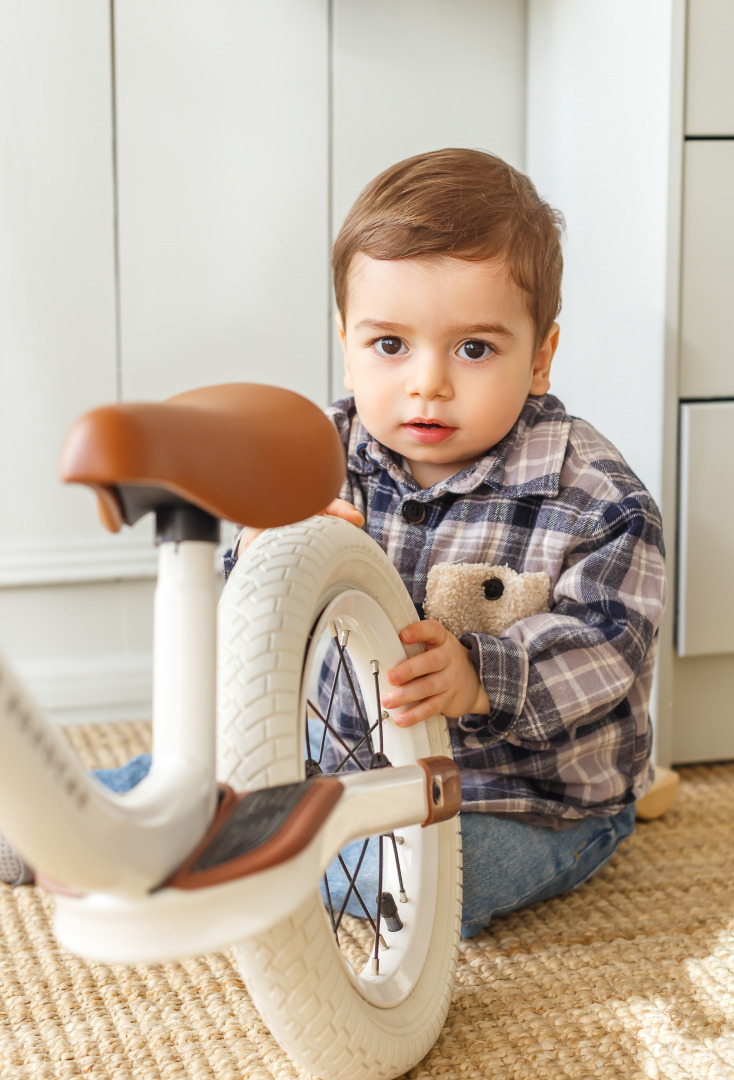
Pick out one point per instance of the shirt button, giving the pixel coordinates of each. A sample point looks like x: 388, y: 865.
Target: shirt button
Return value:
x: 414, y: 512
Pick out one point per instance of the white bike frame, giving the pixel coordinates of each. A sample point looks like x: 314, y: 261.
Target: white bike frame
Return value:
x: 75, y: 831
x: 107, y: 855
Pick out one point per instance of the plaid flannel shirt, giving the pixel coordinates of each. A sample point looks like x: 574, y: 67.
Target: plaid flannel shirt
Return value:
x: 568, y: 733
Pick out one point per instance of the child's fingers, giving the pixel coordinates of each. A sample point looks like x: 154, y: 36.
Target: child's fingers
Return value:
x: 415, y: 690
x: 248, y: 535
x: 429, y: 631
x: 432, y: 634
x: 415, y: 666
x: 421, y: 711
x: 343, y: 509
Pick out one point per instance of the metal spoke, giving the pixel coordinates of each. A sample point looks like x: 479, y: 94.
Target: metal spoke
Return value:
x: 351, y: 885
x: 331, y: 702
x: 376, y: 674
x: 376, y: 955
x: 361, y: 902
x: 335, y: 733
x: 334, y: 925
x: 365, y: 728
x: 403, y: 895
x: 353, y: 751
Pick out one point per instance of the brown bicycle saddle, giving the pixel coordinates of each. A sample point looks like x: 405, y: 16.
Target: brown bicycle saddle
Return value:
x: 253, y: 454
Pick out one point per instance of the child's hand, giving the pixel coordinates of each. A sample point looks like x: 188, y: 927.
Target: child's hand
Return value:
x: 343, y: 509
x: 440, y: 680
x: 336, y: 508
x: 246, y: 537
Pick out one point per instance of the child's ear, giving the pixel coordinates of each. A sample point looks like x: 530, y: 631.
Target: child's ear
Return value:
x: 343, y: 340
x: 540, y: 381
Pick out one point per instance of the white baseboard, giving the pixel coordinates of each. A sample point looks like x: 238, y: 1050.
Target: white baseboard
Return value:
x: 71, y: 562
x: 128, y: 557
x: 93, y: 690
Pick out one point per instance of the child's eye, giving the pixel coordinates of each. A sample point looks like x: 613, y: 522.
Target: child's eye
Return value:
x: 475, y: 350
x: 389, y: 346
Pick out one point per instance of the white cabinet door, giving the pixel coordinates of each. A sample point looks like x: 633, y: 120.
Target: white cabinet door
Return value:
x: 416, y: 75
x: 222, y: 148
x: 57, y: 292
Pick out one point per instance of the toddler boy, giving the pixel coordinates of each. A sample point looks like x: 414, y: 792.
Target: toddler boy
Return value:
x: 478, y: 485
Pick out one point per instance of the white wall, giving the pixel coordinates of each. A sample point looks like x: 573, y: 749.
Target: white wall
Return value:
x: 222, y: 149
x: 417, y: 75
x: 598, y: 148
x: 241, y: 132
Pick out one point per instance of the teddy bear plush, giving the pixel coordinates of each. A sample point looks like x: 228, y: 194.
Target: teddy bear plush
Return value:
x: 482, y: 597
x: 489, y: 599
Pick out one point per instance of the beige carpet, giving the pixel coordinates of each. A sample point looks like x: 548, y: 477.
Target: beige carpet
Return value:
x: 630, y: 976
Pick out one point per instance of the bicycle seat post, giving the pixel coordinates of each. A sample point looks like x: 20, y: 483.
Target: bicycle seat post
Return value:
x: 184, y: 641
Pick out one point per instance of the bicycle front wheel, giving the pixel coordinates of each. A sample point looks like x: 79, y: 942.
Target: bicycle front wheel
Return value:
x: 338, y: 1000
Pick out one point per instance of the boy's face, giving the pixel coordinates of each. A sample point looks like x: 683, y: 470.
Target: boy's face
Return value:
x: 439, y: 353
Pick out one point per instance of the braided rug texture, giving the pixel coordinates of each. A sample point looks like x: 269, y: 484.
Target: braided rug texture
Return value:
x: 629, y: 976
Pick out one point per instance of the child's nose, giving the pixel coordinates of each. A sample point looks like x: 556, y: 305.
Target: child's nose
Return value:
x: 428, y: 376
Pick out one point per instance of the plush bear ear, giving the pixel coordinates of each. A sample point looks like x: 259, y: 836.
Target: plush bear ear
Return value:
x: 483, y: 598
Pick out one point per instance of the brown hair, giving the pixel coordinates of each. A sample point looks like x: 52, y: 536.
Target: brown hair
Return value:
x: 465, y: 204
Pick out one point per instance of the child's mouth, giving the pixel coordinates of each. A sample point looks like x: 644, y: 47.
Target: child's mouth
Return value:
x: 428, y: 431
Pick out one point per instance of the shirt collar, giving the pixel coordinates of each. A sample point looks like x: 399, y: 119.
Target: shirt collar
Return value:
x: 528, y: 461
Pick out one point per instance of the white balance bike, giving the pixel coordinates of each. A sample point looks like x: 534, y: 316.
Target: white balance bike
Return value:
x: 228, y: 838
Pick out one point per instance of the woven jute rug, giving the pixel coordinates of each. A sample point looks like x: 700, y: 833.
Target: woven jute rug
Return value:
x: 631, y: 975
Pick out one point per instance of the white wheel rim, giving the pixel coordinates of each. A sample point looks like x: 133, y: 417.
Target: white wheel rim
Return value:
x: 371, y: 636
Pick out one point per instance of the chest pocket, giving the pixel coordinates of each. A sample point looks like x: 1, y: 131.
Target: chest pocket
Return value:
x: 483, y: 598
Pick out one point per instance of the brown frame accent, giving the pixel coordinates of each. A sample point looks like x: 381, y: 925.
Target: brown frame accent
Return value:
x: 443, y: 771
x: 291, y: 838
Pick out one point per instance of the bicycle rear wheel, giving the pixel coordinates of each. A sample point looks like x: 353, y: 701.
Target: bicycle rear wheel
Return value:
x: 316, y: 989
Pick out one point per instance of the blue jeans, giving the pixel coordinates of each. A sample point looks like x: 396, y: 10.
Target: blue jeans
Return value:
x: 127, y: 776
x: 508, y: 864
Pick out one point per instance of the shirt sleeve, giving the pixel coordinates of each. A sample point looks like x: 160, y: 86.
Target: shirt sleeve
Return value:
x: 550, y: 672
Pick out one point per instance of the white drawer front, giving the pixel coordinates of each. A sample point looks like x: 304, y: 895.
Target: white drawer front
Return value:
x: 707, y: 293
x: 710, y: 75
x: 706, y: 529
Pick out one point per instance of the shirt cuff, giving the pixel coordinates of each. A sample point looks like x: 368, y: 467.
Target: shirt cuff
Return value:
x: 502, y: 667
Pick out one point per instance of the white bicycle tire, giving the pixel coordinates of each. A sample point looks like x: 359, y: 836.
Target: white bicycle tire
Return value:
x: 311, y: 1001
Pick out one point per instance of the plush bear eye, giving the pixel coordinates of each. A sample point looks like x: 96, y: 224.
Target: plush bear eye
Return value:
x: 493, y: 588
